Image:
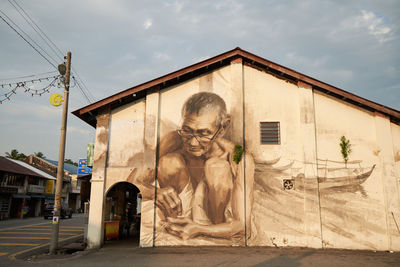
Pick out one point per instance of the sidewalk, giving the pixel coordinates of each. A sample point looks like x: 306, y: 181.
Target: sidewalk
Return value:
x: 123, y: 253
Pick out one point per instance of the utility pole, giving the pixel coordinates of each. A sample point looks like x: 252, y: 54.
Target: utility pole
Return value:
x: 64, y: 70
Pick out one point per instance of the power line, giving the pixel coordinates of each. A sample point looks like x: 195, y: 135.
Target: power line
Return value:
x: 88, y: 93
x: 29, y: 81
x: 25, y: 38
x: 82, y: 86
x: 41, y: 33
x: 27, y: 76
x: 28, y: 36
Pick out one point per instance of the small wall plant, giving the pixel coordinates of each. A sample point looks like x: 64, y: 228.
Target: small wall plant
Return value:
x: 237, y: 156
x: 345, y: 148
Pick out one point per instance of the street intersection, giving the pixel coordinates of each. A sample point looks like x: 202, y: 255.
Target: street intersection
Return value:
x: 20, y: 235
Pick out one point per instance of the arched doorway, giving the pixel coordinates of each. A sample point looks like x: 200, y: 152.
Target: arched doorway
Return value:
x: 123, y: 213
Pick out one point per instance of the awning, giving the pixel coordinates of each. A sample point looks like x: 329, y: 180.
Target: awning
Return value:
x: 38, y: 196
x: 21, y: 196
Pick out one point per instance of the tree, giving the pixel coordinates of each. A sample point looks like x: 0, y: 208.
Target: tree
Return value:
x: 69, y: 161
x: 345, y: 148
x: 40, y: 155
x: 15, y: 155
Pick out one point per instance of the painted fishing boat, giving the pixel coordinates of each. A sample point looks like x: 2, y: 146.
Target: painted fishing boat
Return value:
x: 353, y: 177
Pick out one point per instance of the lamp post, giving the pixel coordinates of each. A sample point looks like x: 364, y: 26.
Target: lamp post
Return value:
x: 65, y: 71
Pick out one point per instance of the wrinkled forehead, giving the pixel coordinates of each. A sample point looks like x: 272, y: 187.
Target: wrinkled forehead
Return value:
x: 205, y: 120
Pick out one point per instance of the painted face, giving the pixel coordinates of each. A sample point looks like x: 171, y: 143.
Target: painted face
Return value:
x: 198, y: 132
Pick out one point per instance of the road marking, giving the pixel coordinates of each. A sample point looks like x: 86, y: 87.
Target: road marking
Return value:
x: 34, y: 233
x: 18, y: 227
x: 18, y: 244
x: 23, y: 237
x: 13, y: 256
x: 42, y: 226
x: 62, y: 229
x: 3, y: 253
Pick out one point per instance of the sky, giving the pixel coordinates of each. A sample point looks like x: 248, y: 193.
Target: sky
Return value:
x: 353, y: 45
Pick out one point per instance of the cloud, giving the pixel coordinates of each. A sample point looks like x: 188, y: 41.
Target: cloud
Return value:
x: 72, y: 129
x: 147, y: 23
x: 176, y: 6
x: 162, y: 56
x: 32, y: 111
x: 375, y: 25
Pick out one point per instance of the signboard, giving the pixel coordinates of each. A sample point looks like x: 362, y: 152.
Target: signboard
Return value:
x: 112, y: 230
x: 8, y: 190
x: 82, y: 163
x: 35, y: 188
x: 49, y: 187
x: 90, y: 154
x: 75, y: 185
x: 83, y: 169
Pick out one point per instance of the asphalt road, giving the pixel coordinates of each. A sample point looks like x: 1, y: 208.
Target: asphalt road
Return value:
x: 127, y: 253
x: 19, y: 235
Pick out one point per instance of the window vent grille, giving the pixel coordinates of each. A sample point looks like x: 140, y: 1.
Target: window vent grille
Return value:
x: 270, y: 133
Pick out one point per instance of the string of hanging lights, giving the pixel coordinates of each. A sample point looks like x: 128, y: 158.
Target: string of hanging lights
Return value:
x: 55, y: 82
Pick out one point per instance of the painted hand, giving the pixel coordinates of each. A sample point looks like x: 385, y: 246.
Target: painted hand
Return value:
x: 183, y: 228
x: 169, y: 202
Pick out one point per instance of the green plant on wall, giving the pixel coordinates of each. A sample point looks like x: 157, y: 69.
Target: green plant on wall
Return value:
x: 237, y: 156
x: 345, y: 148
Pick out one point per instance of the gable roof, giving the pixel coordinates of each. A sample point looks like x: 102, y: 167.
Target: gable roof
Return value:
x: 19, y: 167
x: 89, y: 112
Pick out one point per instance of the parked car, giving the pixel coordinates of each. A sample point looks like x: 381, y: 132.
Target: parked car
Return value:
x: 49, y: 211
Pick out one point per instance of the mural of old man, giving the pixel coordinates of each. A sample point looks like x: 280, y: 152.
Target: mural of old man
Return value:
x: 202, y: 191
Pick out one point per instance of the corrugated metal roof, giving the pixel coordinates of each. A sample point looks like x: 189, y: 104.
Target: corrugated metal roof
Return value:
x: 37, y: 171
x: 68, y: 167
x: 19, y: 167
x: 8, y: 165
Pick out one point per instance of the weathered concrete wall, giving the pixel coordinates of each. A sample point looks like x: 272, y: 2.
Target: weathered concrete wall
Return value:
x: 352, y: 217
x: 332, y: 204
x: 95, y: 236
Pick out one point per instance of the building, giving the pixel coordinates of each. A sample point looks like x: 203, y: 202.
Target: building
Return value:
x: 70, y: 192
x: 23, y: 189
x: 74, y: 187
x: 171, y: 139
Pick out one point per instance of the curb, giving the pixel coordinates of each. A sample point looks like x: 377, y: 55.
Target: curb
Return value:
x: 43, y: 248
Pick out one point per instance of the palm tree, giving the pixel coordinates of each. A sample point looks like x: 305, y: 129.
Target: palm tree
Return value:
x: 40, y: 155
x: 15, y: 155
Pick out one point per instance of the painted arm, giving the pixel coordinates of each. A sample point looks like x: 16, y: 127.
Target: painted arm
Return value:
x: 186, y: 228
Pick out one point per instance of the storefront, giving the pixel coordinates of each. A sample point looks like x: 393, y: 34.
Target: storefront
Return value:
x: 122, y: 216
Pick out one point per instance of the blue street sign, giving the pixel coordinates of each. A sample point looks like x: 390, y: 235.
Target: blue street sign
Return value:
x: 84, y: 171
x: 82, y: 163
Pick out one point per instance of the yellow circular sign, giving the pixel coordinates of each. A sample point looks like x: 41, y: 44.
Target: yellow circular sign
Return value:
x: 56, y: 99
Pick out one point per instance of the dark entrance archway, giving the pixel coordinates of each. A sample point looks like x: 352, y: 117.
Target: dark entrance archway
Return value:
x: 123, y: 213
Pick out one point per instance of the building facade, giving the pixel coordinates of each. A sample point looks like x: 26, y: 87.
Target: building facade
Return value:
x: 24, y: 189
x: 240, y: 151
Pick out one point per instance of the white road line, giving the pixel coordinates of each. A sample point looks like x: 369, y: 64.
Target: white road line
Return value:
x: 23, y: 226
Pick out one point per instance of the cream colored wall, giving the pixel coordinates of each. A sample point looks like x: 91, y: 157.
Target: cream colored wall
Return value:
x: 355, y: 218
x: 396, y: 153
x: 126, y: 145
x: 278, y: 215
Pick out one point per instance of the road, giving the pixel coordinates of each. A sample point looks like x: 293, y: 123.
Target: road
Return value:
x: 18, y: 235
x: 127, y: 253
